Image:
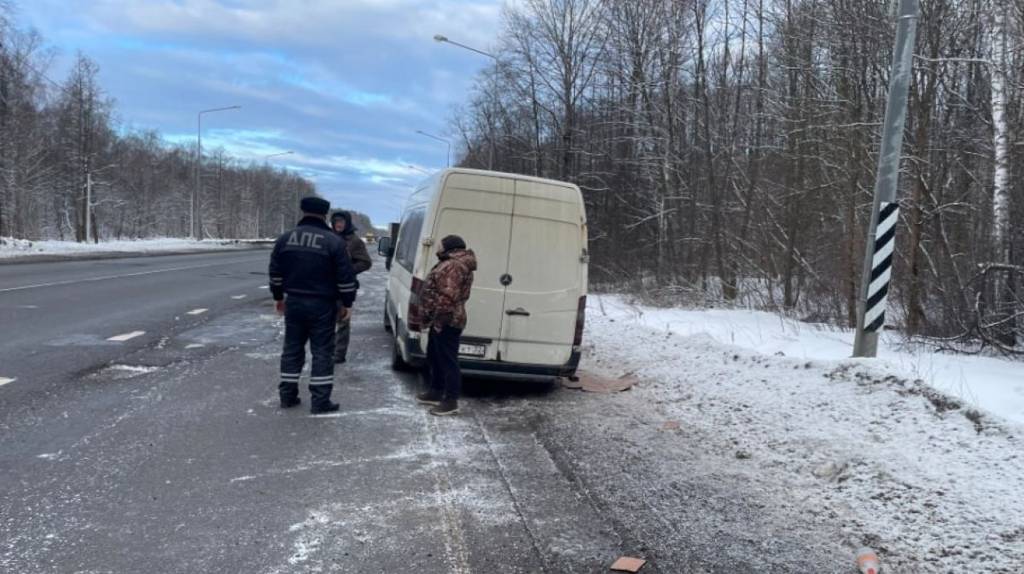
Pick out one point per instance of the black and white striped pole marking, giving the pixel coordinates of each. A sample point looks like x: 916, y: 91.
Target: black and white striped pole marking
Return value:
x: 881, y: 266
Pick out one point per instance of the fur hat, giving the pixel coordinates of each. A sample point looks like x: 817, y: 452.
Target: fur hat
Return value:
x: 315, y: 205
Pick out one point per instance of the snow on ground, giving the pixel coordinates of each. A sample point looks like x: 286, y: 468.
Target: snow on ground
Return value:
x: 991, y: 384
x: 931, y: 484
x: 11, y: 248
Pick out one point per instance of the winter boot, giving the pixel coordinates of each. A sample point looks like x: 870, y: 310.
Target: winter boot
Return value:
x: 430, y: 397
x: 446, y: 408
x: 321, y: 400
x: 289, y: 394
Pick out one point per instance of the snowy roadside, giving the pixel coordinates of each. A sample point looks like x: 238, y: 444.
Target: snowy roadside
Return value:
x: 24, y: 250
x: 929, y: 482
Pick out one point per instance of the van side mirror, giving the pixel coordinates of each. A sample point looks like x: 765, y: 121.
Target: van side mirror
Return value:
x: 385, y: 248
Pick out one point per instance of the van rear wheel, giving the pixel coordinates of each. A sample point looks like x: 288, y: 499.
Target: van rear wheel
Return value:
x: 397, y: 362
x: 387, y: 323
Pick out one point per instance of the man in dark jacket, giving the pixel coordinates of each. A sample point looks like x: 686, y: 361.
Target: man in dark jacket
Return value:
x: 443, y: 307
x: 311, y: 265
x: 341, y: 221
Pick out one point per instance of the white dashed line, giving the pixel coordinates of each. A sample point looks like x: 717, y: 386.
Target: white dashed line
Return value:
x: 197, y: 311
x: 194, y: 346
x: 6, y: 380
x: 263, y: 287
x: 126, y: 336
x: 237, y: 297
x: 106, y: 277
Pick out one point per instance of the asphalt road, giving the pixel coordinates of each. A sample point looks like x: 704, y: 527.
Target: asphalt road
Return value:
x: 166, y: 452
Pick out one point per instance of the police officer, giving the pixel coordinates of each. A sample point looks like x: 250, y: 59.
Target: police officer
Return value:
x: 341, y: 222
x: 310, y: 263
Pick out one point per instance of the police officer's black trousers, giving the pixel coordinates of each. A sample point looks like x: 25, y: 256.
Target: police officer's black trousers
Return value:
x: 443, y: 374
x: 309, y: 319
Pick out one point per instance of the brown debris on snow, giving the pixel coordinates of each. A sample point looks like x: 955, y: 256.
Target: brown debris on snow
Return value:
x: 594, y: 383
x: 628, y: 564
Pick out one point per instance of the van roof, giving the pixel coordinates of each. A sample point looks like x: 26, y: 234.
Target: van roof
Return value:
x: 444, y: 173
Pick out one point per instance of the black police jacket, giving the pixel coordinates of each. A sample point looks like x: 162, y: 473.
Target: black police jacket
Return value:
x: 312, y: 261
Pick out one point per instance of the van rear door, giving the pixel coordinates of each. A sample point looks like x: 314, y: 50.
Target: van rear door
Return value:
x: 544, y: 275
x: 479, y: 208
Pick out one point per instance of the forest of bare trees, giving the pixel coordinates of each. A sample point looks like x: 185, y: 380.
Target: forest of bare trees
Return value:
x: 56, y: 136
x: 727, y: 148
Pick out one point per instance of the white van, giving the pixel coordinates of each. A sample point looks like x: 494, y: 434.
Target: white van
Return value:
x: 526, y: 310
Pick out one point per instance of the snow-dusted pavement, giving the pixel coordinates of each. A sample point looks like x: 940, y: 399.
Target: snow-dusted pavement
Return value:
x: 170, y: 455
x: 873, y: 455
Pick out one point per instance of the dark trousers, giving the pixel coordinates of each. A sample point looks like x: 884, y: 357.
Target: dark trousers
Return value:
x: 308, y: 319
x: 342, y: 336
x: 443, y: 374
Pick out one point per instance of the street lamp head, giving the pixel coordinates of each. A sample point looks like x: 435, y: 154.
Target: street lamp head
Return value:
x: 440, y: 38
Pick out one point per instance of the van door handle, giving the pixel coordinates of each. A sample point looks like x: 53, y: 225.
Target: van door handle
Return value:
x: 519, y: 311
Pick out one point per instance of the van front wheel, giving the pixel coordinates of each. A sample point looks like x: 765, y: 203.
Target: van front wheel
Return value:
x: 397, y: 362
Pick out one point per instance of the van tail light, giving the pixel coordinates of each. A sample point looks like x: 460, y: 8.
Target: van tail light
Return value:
x: 414, y: 320
x: 581, y: 316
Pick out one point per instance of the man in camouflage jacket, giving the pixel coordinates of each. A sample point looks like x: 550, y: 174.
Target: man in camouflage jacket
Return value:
x: 443, y: 306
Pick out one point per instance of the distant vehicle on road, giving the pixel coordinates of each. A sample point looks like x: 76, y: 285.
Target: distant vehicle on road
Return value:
x: 526, y: 311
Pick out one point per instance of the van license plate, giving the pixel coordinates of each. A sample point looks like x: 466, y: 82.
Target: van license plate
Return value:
x: 472, y: 350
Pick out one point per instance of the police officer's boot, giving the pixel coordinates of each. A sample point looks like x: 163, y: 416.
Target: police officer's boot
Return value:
x: 321, y: 399
x: 289, y: 393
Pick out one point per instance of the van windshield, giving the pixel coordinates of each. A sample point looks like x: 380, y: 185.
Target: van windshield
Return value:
x: 408, y: 238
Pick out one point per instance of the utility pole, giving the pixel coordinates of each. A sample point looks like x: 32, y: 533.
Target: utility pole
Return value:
x: 88, y: 197
x: 878, y: 256
x: 88, y: 206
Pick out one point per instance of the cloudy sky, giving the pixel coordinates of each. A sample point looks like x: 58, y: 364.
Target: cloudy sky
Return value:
x: 344, y: 84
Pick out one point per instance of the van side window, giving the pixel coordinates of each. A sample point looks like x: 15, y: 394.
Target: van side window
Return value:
x: 408, y: 239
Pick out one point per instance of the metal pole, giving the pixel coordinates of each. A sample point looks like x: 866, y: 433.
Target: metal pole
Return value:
x: 881, y: 234
x: 88, y: 206
x: 491, y: 124
x: 494, y: 117
x: 199, y: 164
x: 442, y: 140
x: 198, y: 188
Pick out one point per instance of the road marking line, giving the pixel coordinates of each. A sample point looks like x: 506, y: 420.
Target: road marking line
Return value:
x: 199, y: 311
x: 105, y: 277
x: 238, y: 297
x: 263, y: 287
x: 126, y: 336
x: 194, y: 346
x: 6, y: 380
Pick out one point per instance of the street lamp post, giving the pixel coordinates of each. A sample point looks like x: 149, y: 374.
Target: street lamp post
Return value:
x: 197, y: 189
x: 442, y: 39
x: 265, y: 158
x: 442, y: 140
